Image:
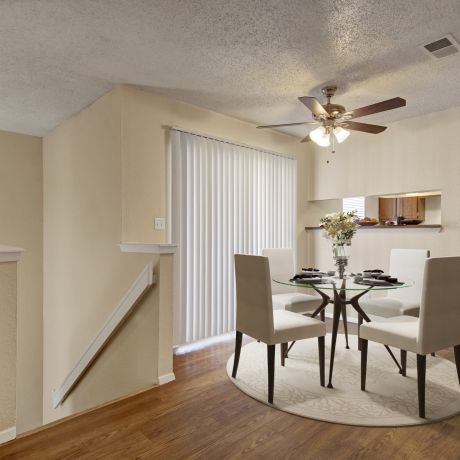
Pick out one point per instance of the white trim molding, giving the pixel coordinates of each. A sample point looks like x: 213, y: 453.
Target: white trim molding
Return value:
x: 124, y: 308
x: 10, y: 253
x: 7, y: 435
x: 166, y: 378
x: 148, y: 248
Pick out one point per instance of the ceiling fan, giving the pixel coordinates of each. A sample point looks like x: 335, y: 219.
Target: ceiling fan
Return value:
x: 333, y: 118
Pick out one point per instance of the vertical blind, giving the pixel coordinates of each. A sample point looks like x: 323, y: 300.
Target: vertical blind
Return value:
x: 225, y: 199
x: 357, y: 204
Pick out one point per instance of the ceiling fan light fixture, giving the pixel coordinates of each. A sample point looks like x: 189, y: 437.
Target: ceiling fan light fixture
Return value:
x: 341, y: 134
x: 320, y: 136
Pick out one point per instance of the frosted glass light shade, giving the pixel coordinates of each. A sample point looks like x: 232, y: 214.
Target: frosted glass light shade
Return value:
x: 341, y: 134
x: 319, y: 136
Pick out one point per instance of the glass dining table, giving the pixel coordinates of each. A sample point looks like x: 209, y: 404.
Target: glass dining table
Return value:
x: 340, y: 293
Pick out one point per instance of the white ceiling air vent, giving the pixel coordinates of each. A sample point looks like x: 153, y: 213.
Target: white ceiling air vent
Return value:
x: 443, y: 47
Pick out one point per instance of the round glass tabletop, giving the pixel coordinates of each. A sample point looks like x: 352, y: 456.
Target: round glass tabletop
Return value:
x: 348, y: 284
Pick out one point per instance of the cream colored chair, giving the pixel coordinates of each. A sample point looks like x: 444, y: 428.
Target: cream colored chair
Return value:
x: 284, y: 297
x: 438, y: 326
x: 256, y: 317
x: 407, y: 265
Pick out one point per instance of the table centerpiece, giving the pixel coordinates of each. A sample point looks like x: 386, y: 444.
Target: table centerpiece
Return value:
x: 340, y: 228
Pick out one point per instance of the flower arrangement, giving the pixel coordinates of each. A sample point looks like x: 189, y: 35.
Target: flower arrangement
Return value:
x: 340, y: 226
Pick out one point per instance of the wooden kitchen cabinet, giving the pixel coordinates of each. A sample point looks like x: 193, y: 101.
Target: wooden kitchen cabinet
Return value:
x: 387, y: 209
x: 412, y: 207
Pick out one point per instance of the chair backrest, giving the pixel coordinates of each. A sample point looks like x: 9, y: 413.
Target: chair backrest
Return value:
x: 408, y: 264
x: 254, y: 308
x: 439, y: 324
x: 281, y: 266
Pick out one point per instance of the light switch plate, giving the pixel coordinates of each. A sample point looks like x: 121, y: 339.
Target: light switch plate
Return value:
x: 160, y: 223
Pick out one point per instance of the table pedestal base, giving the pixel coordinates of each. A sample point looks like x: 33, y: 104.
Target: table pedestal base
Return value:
x: 340, y: 303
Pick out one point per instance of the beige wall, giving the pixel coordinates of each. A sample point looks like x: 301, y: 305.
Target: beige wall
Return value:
x: 8, y: 301
x: 146, y: 117
x: 85, y: 274
x: 412, y: 155
x: 105, y: 182
x: 21, y: 225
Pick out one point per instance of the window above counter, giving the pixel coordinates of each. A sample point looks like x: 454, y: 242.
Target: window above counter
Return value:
x: 419, y: 209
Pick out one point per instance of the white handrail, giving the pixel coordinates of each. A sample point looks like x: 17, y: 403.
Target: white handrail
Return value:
x: 142, y: 283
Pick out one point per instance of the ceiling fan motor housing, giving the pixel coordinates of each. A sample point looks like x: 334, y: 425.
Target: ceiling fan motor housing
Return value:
x: 334, y: 110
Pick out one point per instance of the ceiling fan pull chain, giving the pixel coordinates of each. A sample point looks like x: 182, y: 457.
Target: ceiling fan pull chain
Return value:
x: 333, y: 147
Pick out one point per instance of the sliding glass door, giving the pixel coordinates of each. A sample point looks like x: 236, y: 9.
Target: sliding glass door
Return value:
x: 225, y: 199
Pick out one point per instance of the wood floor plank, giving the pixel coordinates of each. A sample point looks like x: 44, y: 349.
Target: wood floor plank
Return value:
x: 202, y: 415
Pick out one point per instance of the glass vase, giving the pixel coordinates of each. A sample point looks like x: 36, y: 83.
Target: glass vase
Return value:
x: 341, y: 254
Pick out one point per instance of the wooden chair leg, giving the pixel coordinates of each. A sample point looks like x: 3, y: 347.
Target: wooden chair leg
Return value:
x: 403, y: 362
x: 284, y: 347
x: 457, y: 360
x: 363, y: 363
x: 360, y: 321
x: 271, y: 371
x: 236, y: 360
x: 321, y: 352
x: 421, y: 376
x: 345, y: 324
x: 322, y: 315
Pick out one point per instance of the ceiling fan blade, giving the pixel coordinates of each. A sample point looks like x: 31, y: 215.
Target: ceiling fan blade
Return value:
x: 288, y: 124
x: 307, y: 138
x: 390, y: 104
x: 364, y: 127
x: 313, y: 104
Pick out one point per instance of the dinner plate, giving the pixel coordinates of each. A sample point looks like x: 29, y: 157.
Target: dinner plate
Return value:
x: 376, y: 282
x: 312, y: 281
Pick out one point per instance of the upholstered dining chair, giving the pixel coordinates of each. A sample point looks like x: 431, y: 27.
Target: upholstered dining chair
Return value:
x: 284, y: 297
x: 407, y: 265
x: 437, y: 327
x: 256, y: 317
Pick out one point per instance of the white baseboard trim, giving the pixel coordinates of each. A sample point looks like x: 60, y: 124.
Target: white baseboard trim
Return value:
x: 165, y: 378
x: 8, y: 434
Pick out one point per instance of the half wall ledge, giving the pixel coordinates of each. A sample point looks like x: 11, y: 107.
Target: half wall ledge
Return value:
x: 9, y: 256
x: 390, y: 227
x: 148, y: 248
x: 9, y: 253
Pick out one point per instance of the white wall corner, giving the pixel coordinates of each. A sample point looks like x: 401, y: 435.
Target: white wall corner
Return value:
x: 166, y: 378
x: 8, y: 435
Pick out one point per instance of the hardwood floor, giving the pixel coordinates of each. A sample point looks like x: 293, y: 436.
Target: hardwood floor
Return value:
x: 202, y: 415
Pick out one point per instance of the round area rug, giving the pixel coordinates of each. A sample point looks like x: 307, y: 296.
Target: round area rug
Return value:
x: 389, y: 400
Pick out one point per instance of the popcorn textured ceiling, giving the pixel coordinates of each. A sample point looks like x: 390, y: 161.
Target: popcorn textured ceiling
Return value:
x: 247, y: 59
